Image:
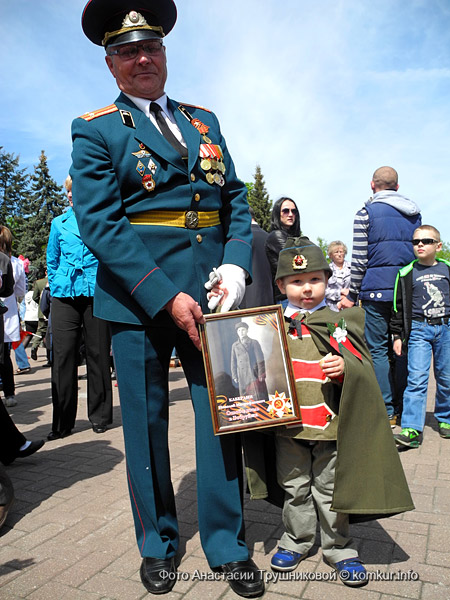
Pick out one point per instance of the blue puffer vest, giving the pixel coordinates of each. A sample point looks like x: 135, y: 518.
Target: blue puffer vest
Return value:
x: 389, y: 248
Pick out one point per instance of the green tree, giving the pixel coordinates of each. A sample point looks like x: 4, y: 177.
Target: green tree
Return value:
x: 13, y: 189
x: 44, y: 202
x: 323, y: 245
x: 445, y: 252
x: 258, y: 199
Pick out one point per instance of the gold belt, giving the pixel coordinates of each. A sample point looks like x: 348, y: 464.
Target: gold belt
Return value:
x: 190, y: 219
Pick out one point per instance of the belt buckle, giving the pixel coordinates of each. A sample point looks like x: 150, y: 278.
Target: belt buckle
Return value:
x: 435, y: 320
x: 191, y: 219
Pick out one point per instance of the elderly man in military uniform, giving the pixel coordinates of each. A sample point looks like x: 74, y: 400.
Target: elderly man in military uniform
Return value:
x: 158, y: 202
x: 248, y: 367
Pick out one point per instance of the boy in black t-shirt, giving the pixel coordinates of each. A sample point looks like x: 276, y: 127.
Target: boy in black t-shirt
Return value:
x: 421, y: 320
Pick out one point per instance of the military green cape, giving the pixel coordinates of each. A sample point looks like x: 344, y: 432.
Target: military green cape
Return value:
x: 369, y: 480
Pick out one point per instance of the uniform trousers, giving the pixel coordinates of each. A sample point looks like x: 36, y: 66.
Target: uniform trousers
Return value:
x: 142, y: 357
x: 40, y: 333
x: 11, y: 440
x: 306, y: 473
x: 70, y: 317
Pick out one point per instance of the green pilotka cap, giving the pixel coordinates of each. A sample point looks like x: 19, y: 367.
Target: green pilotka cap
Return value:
x: 300, y: 255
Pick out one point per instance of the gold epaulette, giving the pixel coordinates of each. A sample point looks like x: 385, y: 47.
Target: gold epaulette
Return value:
x: 196, y: 106
x: 89, y: 116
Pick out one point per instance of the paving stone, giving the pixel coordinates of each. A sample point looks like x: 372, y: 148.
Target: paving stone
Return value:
x: 434, y: 592
x: 70, y: 534
x: 115, y: 587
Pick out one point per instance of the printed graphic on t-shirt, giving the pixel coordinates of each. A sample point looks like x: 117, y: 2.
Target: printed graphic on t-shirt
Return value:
x: 430, y: 291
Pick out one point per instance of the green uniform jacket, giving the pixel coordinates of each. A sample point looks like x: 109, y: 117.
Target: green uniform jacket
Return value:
x: 369, y: 480
x: 141, y: 267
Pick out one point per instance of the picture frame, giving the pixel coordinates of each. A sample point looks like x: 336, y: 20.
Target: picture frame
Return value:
x: 249, y: 373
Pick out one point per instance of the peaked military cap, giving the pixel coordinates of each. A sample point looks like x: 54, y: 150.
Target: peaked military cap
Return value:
x: 300, y: 255
x: 114, y: 22
x: 241, y: 324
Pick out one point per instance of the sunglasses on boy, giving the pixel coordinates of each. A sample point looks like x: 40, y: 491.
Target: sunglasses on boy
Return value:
x: 425, y: 242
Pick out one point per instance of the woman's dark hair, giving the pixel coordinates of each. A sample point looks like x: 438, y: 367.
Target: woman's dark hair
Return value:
x: 5, y: 240
x: 275, y: 221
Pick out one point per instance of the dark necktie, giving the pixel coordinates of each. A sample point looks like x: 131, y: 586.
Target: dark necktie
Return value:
x: 165, y: 130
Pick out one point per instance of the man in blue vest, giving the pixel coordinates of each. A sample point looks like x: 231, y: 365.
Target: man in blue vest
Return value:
x: 382, y: 234
x: 159, y: 204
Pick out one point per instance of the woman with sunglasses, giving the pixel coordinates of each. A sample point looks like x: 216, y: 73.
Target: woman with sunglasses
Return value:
x: 285, y: 222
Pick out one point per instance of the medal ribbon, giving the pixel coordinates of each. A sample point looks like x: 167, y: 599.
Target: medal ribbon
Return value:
x: 210, y: 151
x: 201, y: 127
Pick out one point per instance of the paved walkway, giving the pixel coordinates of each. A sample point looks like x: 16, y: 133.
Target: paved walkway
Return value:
x: 69, y: 535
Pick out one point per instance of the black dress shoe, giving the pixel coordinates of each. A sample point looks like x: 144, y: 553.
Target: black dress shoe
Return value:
x: 31, y: 449
x: 56, y: 435
x: 99, y: 428
x: 4, y: 509
x: 158, y: 574
x: 244, y: 577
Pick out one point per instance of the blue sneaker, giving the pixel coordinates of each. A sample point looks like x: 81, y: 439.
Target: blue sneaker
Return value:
x: 351, y: 572
x: 286, y: 560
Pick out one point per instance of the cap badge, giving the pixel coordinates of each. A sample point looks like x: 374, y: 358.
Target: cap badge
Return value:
x: 299, y: 262
x: 134, y: 19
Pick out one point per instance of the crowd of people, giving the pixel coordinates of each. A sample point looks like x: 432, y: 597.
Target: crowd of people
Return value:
x: 153, y: 153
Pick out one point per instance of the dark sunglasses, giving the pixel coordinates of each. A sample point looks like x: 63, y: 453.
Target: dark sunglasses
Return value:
x: 286, y: 211
x: 425, y: 242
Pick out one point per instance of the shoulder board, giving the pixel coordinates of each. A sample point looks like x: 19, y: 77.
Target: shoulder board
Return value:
x: 196, y: 106
x: 89, y: 116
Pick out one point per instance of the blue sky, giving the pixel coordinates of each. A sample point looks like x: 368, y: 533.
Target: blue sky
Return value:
x: 319, y: 94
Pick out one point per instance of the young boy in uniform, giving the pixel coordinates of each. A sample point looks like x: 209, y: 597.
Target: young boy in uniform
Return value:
x: 342, y: 459
x: 421, y: 321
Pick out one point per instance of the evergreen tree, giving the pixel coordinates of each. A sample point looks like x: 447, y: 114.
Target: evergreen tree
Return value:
x: 13, y: 189
x: 258, y: 198
x: 45, y: 201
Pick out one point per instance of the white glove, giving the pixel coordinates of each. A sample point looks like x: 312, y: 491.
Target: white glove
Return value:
x: 232, y: 278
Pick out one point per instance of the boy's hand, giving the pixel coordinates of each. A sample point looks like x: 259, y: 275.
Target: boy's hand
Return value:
x: 332, y: 365
x: 397, y: 346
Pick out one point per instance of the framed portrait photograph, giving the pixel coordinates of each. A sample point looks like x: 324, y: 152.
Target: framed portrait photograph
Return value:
x: 249, y: 373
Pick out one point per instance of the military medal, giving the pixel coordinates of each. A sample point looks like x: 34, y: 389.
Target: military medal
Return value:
x: 141, y: 154
x: 211, y: 155
x: 211, y: 160
x: 147, y: 180
x: 140, y: 168
x: 201, y: 127
x: 148, y: 183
